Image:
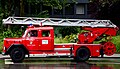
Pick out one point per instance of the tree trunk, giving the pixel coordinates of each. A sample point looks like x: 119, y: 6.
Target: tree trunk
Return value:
x: 21, y: 7
x: 9, y: 6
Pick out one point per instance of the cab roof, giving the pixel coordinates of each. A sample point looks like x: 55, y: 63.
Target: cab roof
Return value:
x: 40, y: 28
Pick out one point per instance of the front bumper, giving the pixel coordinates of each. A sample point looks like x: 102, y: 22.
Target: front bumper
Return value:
x: 4, y: 51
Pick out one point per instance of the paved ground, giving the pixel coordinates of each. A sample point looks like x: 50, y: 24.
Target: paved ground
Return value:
x: 82, y: 65
x: 105, y: 56
x: 1, y: 56
x: 108, y: 62
x: 114, y: 59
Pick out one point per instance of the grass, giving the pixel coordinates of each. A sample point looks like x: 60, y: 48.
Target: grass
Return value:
x: 60, y: 40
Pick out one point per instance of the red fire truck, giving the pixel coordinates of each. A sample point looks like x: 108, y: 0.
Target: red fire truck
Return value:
x: 40, y: 40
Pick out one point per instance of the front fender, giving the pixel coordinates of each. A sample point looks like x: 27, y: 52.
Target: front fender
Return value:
x: 14, y: 46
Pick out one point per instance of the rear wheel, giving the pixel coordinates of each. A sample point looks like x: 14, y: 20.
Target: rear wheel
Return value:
x: 17, y: 55
x: 82, y: 54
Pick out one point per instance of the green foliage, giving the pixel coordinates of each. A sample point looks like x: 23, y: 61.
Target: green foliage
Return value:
x: 116, y: 41
x: 67, y: 39
x: 68, y: 30
x: 58, y: 40
x: 13, y: 31
x: 52, y: 3
x: 9, y: 33
x: 55, y: 3
x: 1, y: 42
x: 71, y: 38
x: 43, y: 14
x: 1, y: 45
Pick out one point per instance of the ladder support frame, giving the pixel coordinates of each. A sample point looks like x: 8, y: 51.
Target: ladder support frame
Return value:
x: 58, y: 22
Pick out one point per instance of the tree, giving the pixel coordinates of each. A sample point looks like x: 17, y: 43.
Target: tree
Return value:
x: 105, y: 9
x: 21, y: 7
x: 100, y: 8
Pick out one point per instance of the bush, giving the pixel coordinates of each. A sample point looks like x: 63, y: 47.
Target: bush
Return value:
x: 1, y: 42
x: 58, y: 40
x: 8, y: 33
x: 116, y: 41
x: 71, y: 38
x: 68, y: 30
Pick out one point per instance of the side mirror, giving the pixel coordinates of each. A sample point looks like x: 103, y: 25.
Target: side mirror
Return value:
x: 22, y: 27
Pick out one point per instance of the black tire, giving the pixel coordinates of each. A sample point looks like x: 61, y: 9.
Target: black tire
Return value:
x: 17, y: 55
x: 82, y: 54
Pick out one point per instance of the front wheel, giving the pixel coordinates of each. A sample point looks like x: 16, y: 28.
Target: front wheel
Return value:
x: 82, y: 54
x: 17, y: 55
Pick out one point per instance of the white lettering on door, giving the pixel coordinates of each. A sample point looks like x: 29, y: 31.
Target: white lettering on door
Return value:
x: 44, y: 41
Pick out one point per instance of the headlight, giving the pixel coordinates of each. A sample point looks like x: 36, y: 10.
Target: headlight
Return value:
x: 3, y: 48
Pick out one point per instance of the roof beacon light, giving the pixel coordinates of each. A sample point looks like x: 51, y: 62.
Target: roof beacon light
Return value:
x: 30, y: 25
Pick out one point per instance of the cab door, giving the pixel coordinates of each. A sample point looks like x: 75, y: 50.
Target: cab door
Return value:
x: 46, y: 40
x: 32, y: 40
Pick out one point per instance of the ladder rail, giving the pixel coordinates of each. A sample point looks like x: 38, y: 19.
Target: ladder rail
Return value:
x: 58, y: 22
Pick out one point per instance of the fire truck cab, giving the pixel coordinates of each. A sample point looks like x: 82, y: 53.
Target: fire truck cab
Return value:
x: 41, y: 38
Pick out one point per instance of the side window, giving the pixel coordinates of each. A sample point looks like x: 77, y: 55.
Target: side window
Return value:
x: 45, y: 33
x: 32, y: 33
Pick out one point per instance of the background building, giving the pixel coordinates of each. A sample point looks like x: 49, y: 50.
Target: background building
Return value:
x: 76, y: 9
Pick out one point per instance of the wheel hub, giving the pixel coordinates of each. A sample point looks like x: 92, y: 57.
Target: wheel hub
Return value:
x: 109, y: 48
x: 17, y: 54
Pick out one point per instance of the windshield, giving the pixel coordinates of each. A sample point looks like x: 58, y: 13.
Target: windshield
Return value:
x: 25, y: 34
